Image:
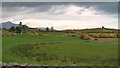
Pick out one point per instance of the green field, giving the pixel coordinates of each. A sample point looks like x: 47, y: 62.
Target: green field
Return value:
x: 0, y: 49
x: 54, y: 33
x: 97, y: 31
x: 60, y: 50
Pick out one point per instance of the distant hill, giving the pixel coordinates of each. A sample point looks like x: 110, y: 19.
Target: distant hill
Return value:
x: 7, y: 24
x: 41, y: 28
x: 97, y: 30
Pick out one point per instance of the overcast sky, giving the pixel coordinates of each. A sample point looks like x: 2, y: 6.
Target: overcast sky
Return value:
x: 62, y: 15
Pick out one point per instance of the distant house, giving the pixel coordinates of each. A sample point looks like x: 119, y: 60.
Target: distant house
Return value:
x: 103, y: 27
x: 20, y: 28
x: 23, y: 28
x: 52, y: 28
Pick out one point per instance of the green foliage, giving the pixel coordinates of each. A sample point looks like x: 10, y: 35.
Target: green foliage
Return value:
x: 12, y: 29
x: 47, y: 29
x: 18, y: 30
x: 15, y: 29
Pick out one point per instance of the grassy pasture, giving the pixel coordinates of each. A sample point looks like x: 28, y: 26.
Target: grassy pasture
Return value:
x: 97, y: 31
x: 52, y: 32
x: 59, y: 50
x: 0, y: 48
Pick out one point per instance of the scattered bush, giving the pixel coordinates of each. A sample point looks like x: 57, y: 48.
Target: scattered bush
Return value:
x: 69, y: 35
x: 7, y: 35
x: 85, y: 36
x: 45, y: 34
x: 35, y: 32
x: 118, y: 35
x: 104, y: 35
x: 95, y: 39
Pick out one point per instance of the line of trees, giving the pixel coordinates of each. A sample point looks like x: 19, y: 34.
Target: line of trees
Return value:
x: 49, y: 29
x: 15, y: 29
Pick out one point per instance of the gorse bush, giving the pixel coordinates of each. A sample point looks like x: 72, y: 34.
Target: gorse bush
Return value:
x: 99, y: 35
x: 85, y: 36
x: 67, y: 35
x: 118, y: 35
x: 44, y: 34
x: 8, y: 34
x: 35, y: 32
x: 104, y: 35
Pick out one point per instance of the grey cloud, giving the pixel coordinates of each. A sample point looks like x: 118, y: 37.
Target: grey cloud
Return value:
x: 14, y: 8
x: 107, y: 7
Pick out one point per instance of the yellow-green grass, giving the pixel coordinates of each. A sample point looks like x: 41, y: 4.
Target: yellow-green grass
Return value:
x: 98, y: 31
x: 55, y: 33
x: 59, y: 50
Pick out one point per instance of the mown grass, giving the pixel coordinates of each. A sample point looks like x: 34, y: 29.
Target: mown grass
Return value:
x: 54, y: 33
x: 59, y: 50
x: 97, y: 31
